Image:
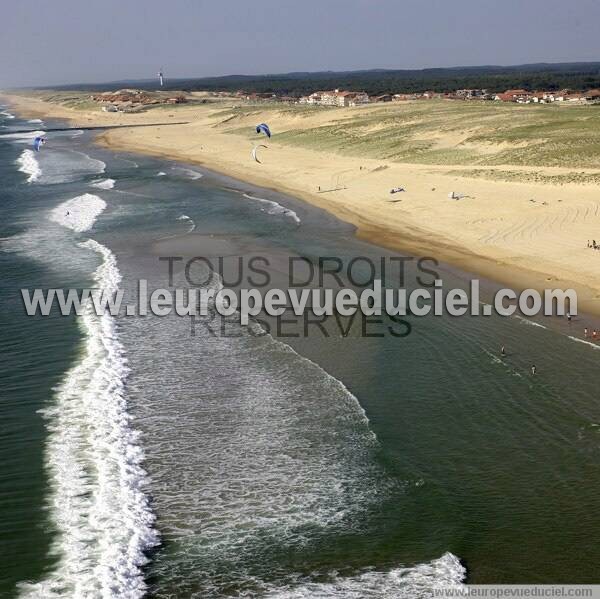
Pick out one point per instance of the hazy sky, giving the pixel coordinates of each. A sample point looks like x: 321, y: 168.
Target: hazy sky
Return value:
x: 60, y: 41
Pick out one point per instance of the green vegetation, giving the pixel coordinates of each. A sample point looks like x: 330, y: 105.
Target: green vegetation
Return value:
x: 71, y: 99
x: 581, y: 178
x: 583, y: 75
x: 81, y: 100
x: 452, y: 133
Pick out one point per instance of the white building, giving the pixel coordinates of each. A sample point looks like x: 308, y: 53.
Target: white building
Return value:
x: 336, y: 98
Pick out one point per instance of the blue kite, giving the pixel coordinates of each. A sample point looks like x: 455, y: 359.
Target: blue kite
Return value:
x: 37, y: 142
x: 263, y: 128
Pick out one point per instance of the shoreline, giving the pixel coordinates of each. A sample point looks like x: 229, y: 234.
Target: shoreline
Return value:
x: 394, y: 235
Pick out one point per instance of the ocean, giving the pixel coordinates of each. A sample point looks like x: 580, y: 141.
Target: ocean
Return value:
x: 152, y: 456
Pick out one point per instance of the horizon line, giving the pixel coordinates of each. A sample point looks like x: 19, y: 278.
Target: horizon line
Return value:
x: 315, y: 72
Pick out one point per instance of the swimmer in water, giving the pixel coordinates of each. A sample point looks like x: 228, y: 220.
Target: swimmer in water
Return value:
x: 502, y: 351
x: 533, y: 369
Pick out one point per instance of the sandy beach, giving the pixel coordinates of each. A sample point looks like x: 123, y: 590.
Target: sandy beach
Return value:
x: 526, y: 232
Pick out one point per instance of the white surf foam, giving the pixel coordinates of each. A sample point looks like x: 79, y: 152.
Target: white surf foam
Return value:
x: 56, y: 164
x: 80, y: 213
x: 28, y: 162
x: 92, y: 165
x: 296, y: 459
x: 414, y: 582
x: 61, y: 165
x: 585, y: 342
x: 530, y: 322
x: 7, y: 114
x: 29, y: 165
x: 103, y: 521
x: 275, y: 208
x: 25, y: 137
x: 103, y: 183
x: 161, y: 174
x: 188, y: 172
x: 35, y: 121
x: 189, y: 220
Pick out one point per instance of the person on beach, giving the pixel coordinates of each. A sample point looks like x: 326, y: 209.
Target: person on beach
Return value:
x: 569, y: 316
x: 585, y: 332
x: 594, y: 335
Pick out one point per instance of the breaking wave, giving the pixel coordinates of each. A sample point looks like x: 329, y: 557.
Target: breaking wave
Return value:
x: 528, y: 322
x: 103, y: 183
x: 271, y: 455
x: 62, y: 166
x: 410, y: 583
x: 25, y: 137
x: 584, y: 341
x: 29, y: 165
x: 189, y: 220
x: 80, y: 213
x: 53, y: 164
x: 275, y: 208
x: 97, y: 504
x: 187, y: 172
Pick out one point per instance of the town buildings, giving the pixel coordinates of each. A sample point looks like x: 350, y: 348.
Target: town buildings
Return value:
x: 336, y: 98
x: 342, y: 98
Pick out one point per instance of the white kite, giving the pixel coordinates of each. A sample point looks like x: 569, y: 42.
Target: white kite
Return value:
x: 254, y: 150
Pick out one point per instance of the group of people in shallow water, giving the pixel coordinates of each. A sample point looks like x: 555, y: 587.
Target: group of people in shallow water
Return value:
x: 586, y: 333
x: 594, y: 335
x: 503, y: 354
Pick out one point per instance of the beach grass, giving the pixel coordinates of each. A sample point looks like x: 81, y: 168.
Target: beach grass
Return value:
x: 434, y: 132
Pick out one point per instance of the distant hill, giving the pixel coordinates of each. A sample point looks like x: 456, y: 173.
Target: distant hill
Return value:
x: 547, y: 76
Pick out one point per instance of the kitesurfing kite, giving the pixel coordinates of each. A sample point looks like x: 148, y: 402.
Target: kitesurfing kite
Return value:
x: 264, y: 128
x: 254, y: 149
x: 37, y: 142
